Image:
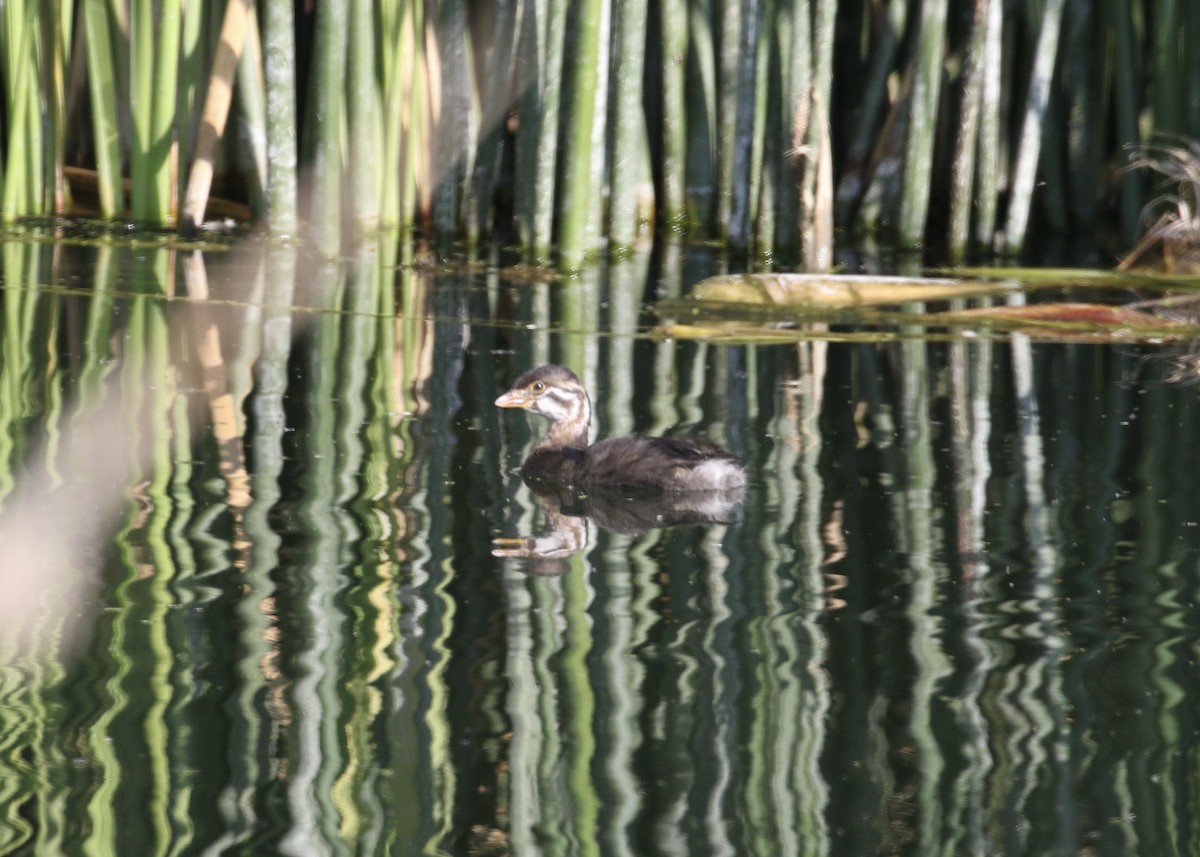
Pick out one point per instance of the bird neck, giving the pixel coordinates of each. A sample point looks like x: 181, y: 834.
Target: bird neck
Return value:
x: 571, y: 429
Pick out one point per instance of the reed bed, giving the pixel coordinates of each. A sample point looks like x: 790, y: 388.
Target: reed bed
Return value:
x: 785, y: 129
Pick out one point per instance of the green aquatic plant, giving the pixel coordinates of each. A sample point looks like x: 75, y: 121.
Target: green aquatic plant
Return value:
x: 570, y: 129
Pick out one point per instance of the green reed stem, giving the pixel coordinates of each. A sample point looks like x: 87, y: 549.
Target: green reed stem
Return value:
x: 1126, y: 85
x: 252, y: 106
x: 988, y: 158
x: 966, y: 144
x: 727, y: 81
x: 416, y: 172
x: 576, y: 193
x: 396, y: 64
x: 673, y: 34
x: 1082, y: 70
x: 57, y: 32
x: 1190, y: 60
x: 23, y: 188
x: 1032, y: 129
x: 598, y: 149
x: 772, y: 183
x: 279, y: 64
x: 456, y: 126
x: 529, y: 119
x: 364, y: 117
x: 703, y: 131
x: 629, y: 154
x: 823, y: 39
x: 194, y: 61
x: 741, y: 151
x: 547, y: 119
x: 327, y: 110
x: 882, y: 57
x: 145, y: 201
x: 103, y: 87
x: 918, y: 167
x: 793, y: 31
x: 163, y: 151
x: 501, y: 60
x: 1166, y: 93
x: 729, y: 44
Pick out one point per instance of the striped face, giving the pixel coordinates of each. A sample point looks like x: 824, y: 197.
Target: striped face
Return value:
x: 555, y: 393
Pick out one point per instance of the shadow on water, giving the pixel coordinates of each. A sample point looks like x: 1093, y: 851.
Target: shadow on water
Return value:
x: 249, y: 509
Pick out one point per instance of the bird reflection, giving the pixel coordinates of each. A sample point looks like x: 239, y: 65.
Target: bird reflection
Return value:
x: 570, y: 511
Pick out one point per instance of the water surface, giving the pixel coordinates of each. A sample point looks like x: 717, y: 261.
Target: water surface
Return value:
x: 251, y: 602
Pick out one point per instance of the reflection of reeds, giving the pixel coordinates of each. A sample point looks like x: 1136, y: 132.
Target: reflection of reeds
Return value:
x: 107, y: 438
x: 355, y: 670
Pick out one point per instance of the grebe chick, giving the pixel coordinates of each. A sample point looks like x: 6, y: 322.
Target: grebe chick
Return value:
x: 563, y: 456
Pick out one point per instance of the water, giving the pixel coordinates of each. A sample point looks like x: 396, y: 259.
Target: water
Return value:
x: 251, y: 602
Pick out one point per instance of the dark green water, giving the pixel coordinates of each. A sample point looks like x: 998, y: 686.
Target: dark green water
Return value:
x: 251, y: 606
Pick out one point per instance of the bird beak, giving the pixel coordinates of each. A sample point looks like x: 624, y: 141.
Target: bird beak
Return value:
x: 514, y: 399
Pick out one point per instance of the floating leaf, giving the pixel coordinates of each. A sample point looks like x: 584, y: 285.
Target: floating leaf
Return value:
x: 1066, y: 314
x: 831, y: 291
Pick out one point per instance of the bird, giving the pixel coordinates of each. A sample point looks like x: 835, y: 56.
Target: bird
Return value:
x: 634, y: 462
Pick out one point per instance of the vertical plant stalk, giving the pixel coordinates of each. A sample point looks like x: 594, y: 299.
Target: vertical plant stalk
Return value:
x: 703, y: 129
x: 1029, y: 147
x: 593, y: 238
x: 250, y: 128
x: 918, y: 166
x: 279, y: 63
x: 793, y: 32
x: 1082, y: 73
x: 23, y: 186
x: 58, y: 22
x: 1190, y: 53
x: 1126, y: 85
x: 824, y: 31
x: 740, y: 169
x: 457, y: 128
x: 548, y: 112
x: 194, y: 64
x: 403, y: 64
x: 103, y: 87
x: 870, y: 112
x: 988, y: 162
x: 163, y: 141
x: 327, y: 117
x: 390, y: 20
x: 966, y: 143
x: 216, y: 112
x: 530, y: 58
x: 629, y: 150
x: 1053, y: 190
x: 577, y: 156
x: 364, y: 119
x: 673, y: 20
x: 818, y: 209
x: 1167, y: 91
x: 762, y: 174
x: 497, y: 94
x: 141, y: 106
x: 418, y: 151
x: 729, y: 44
x: 818, y: 249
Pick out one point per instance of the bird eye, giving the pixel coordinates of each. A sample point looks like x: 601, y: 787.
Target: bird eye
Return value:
x: 537, y: 386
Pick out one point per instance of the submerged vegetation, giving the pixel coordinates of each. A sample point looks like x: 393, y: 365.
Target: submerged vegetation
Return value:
x: 769, y: 125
